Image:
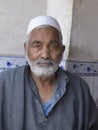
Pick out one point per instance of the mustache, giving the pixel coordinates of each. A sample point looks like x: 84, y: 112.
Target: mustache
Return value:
x: 45, y: 61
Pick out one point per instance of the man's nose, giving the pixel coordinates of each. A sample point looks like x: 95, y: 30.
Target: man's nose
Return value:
x: 45, y: 53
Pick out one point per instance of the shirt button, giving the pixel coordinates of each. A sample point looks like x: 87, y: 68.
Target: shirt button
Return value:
x: 44, y: 123
x: 57, y: 95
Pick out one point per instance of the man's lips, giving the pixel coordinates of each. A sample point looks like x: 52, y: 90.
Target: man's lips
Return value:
x: 45, y: 64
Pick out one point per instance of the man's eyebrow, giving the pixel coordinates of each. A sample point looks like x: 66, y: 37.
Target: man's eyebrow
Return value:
x: 54, y: 41
x: 36, y: 41
x: 51, y: 41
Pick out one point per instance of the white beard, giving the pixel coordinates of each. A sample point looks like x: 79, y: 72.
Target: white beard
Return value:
x: 41, y: 71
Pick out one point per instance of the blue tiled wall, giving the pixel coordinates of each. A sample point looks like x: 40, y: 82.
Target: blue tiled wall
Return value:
x: 7, y: 62
x: 83, y: 68
x: 89, y: 72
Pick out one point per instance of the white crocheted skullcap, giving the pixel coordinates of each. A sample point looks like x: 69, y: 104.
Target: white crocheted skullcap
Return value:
x: 43, y: 20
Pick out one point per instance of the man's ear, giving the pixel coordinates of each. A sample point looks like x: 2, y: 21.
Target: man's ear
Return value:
x: 25, y: 47
x: 63, y: 48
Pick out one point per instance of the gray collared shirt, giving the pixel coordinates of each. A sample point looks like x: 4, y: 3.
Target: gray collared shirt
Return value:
x: 21, y: 108
x: 60, y: 89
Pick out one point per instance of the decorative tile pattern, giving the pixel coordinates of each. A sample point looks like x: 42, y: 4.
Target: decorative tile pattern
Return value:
x: 11, y: 62
x: 83, y: 68
x: 8, y: 62
x: 86, y: 69
x: 78, y: 67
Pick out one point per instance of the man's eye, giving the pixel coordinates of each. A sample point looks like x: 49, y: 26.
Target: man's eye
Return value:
x: 35, y: 45
x: 54, y: 46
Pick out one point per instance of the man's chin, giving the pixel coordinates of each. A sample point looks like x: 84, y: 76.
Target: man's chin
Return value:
x: 43, y: 76
x: 44, y: 72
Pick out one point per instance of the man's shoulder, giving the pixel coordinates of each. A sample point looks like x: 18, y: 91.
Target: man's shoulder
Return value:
x: 72, y: 76
x: 69, y: 74
x: 12, y: 72
x: 76, y: 81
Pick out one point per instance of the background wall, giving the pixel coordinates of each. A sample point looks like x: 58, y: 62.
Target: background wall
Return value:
x: 15, y: 16
x: 83, y: 56
x: 84, y: 34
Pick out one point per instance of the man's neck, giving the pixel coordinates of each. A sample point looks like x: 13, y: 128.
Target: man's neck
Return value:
x: 45, y: 86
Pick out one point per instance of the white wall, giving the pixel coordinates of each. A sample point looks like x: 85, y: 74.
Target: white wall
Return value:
x: 15, y: 15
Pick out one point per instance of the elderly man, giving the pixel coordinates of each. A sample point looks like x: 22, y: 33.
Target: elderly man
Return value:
x: 40, y: 95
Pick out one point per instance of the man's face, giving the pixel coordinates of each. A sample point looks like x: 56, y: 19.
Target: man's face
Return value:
x: 44, y: 51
